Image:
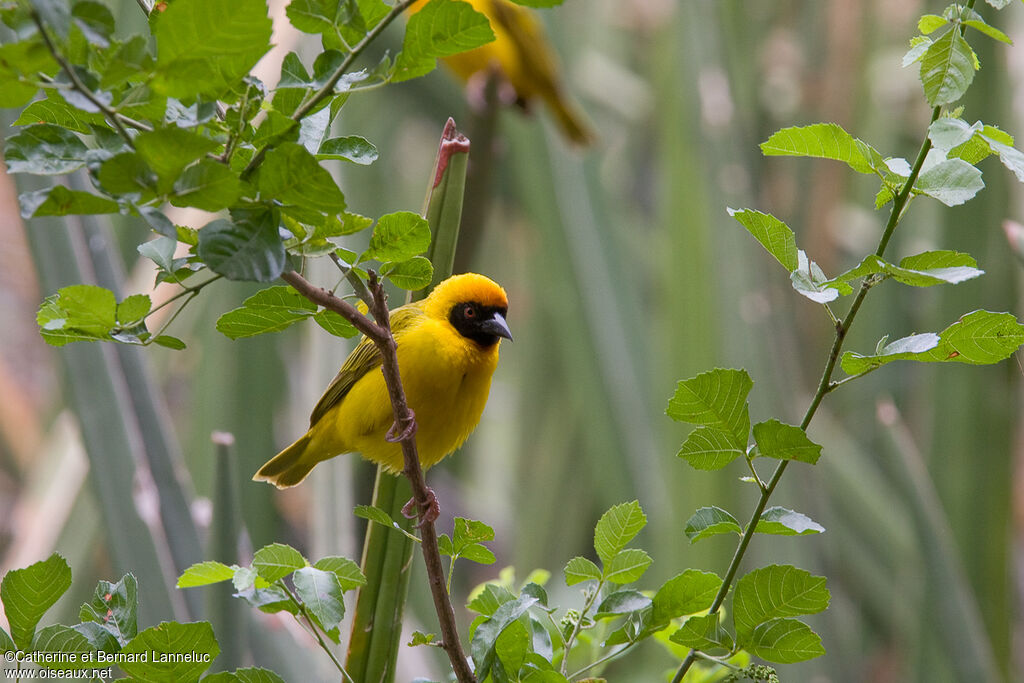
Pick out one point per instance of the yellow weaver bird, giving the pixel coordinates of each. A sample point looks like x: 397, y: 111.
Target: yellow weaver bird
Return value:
x: 447, y: 351
x: 525, y: 60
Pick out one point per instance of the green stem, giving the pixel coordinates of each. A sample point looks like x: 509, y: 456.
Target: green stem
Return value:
x: 607, y: 658
x: 578, y: 626
x: 824, y: 387
x: 313, y: 628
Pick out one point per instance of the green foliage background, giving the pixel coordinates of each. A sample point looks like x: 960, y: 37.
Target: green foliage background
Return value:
x: 624, y: 273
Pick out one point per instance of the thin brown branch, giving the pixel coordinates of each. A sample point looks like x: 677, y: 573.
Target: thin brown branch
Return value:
x: 380, y: 333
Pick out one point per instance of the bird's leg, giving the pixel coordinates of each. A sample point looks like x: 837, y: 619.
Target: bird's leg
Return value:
x: 431, y: 508
x: 410, y: 429
x: 492, y: 77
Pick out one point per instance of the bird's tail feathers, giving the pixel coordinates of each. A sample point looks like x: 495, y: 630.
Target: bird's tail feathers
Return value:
x: 570, y: 119
x: 288, y: 467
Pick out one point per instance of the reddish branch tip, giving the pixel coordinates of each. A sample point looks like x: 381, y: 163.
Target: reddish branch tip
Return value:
x: 452, y: 142
x: 430, y: 513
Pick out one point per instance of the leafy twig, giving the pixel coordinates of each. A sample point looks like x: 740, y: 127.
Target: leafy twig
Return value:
x: 578, y: 626
x: 825, y: 385
x: 313, y: 628
x: 379, y: 332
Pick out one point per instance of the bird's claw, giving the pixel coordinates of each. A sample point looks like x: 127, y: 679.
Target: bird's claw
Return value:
x: 410, y: 429
x: 430, y: 513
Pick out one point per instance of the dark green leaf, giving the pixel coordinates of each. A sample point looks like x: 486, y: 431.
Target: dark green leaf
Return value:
x: 710, y: 521
x: 44, y: 149
x: 169, y: 150
x: 205, y: 47
x: 374, y: 514
x: 247, y: 675
x: 782, y: 522
x: 27, y: 594
x: 63, y: 641
x: 617, y: 527
x: 785, y: 442
x: 208, y: 185
x: 269, y: 310
x: 352, y: 148
x: 490, y: 599
x: 114, y: 607
x: 978, y: 338
x: 247, y: 247
x: 784, y: 641
x: 398, y: 236
x: 291, y: 175
x: 55, y: 110
x: 622, y: 602
x: 60, y: 201
x: 775, y: 591
x: 276, y: 561
x: 486, y: 635
x: 167, y: 341
x: 165, y: 641
x: 335, y: 324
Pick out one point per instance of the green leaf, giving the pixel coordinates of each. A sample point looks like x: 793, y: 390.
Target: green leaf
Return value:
x: 482, y: 647
x: 978, y: 338
x: 785, y: 442
x: 169, y: 150
x: 510, y: 649
x: 617, y: 527
x: 276, y: 561
x: 710, y: 521
x: 952, y: 182
x: 490, y: 599
x: 1011, y: 158
x: 60, y: 201
x: 622, y: 602
x: 374, y: 514
x: 352, y: 148
x: 774, y: 235
x: 205, y: 573
x: 947, y: 69
x: 821, y: 140
x: 420, y: 638
x: 114, y: 607
x: 27, y: 594
x: 247, y: 675
x: 627, y: 566
x: 127, y: 173
x: 321, y: 592
x: 169, y: 342
x: 441, y: 28
x: 77, y: 313
x: 930, y: 23
x: 478, y: 553
x: 704, y: 633
x: 335, y: 324
x: 717, y: 398
x: 398, y: 237
x: 44, y: 149
x: 63, y: 641
x: 707, y: 448
x: 314, y: 16
x: 944, y: 265
x: 782, y: 522
x: 55, y: 110
x: 205, y: 47
x: 6, y: 644
x: 348, y: 572
x: 208, y: 185
x: 291, y: 175
x: 413, y: 275
x: 247, y: 247
x: 468, y: 532
x: 686, y: 593
x: 164, y: 642
x: 580, y: 569
x: 784, y: 641
x: 775, y: 591
x: 269, y: 310
x: 979, y: 24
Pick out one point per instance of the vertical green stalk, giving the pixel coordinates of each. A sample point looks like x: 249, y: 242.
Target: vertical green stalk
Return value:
x: 387, y: 556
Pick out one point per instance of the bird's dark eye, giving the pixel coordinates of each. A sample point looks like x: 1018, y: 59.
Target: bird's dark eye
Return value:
x: 469, y: 312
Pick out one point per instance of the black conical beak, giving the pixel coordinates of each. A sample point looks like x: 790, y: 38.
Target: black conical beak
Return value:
x: 497, y: 326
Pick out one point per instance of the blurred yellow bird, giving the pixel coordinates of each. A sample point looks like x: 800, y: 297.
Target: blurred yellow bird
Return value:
x: 525, y: 59
x: 447, y: 352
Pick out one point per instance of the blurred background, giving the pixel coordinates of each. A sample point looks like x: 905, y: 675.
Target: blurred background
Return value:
x: 625, y: 274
